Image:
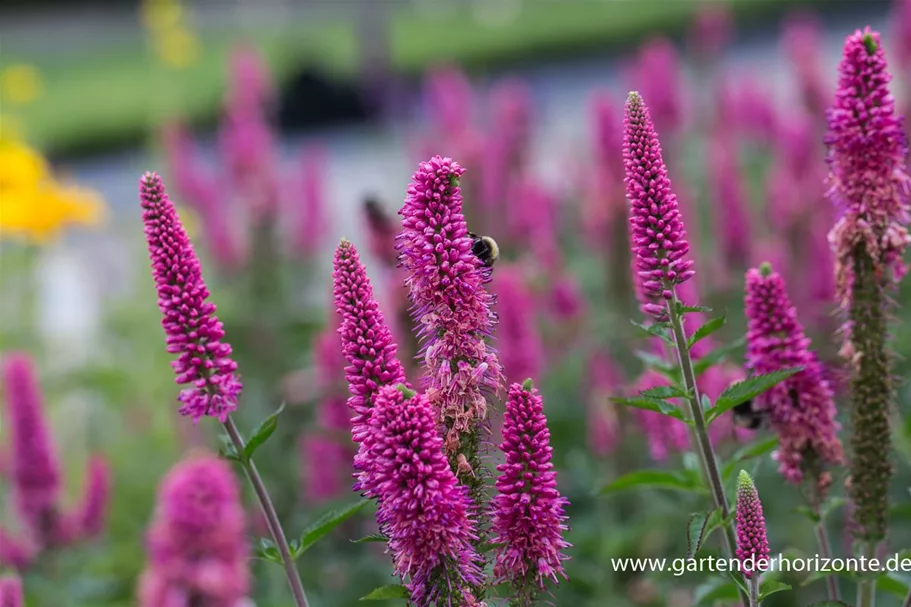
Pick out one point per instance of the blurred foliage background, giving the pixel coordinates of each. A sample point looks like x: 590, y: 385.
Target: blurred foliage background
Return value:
x: 353, y: 95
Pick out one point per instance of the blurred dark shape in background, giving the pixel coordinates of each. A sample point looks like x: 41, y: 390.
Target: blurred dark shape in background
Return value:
x: 312, y: 98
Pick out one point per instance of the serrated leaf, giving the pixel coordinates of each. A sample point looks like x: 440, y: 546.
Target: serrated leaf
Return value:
x: 770, y: 587
x: 373, y: 537
x: 657, y: 479
x: 329, y: 521
x: 707, y: 329
x: 747, y: 389
x: 755, y: 449
x: 716, y: 590
x: 651, y: 404
x: 658, y: 329
x: 261, y: 433
x: 717, y: 355
x: 663, y: 392
x: 389, y: 591
x: 695, y: 532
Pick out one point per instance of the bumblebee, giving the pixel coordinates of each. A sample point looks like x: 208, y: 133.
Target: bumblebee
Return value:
x: 747, y: 416
x: 484, y: 248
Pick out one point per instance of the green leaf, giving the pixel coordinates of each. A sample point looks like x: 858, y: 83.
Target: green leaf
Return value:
x: 228, y: 450
x: 488, y: 546
x: 770, y: 587
x: 261, y: 433
x: 755, y: 449
x: 267, y: 551
x: 294, y: 546
x: 894, y: 583
x: 808, y: 512
x: 737, y: 578
x: 658, y: 329
x: 716, y: 522
x: 714, y: 591
x: 830, y: 604
x: 658, y: 479
x: 663, y: 392
x: 695, y: 532
x: 651, y: 404
x: 717, y: 355
x: 705, y: 402
x: 389, y: 591
x: 707, y: 329
x: 373, y: 537
x: 748, y: 389
x: 682, y: 309
x: 329, y: 521
x: 832, y: 505
x: 657, y: 363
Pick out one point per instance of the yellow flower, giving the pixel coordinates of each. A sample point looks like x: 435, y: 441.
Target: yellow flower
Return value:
x: 159, y: 15
x: 33, y: 204
x: 20, y: 84
x: 177, y: 47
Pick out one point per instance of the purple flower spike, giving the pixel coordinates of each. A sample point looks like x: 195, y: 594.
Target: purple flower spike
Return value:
x: 192, y: 329
x: 752, y: 545
x: 15, y: 553
x: 35, y: 466
x: 801, y: 408
x: 521, y: 352
x: 451, y: 306
x: 11, y: 591
x: 196, y: 543
x: 92, y: 513
x: 867, y: 151
x: 424, y: 511
x: 368, y: 347
x: 658, y: 236
x: 528, y: 512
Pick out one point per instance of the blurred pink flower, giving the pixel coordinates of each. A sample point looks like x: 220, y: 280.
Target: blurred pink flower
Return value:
x: 603, y: 427
x: 803, y: 41
x: 308, y: 205
x: 656, y: 74
x: 521, y: 352
x: 665, y: 435
x: 711, y: 30
x: 11, y: 591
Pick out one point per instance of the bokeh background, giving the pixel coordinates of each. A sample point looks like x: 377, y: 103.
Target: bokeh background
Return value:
x: 273, y: 121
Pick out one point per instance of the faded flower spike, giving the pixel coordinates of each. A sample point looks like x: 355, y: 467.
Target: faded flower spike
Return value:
x: 528, y: 512
x: 752, y: 545
x: 658, y: 237
x: 192, y: 329
x: 801, y: 408
x: 196, y: 544
x: 867, y: 150
x: 423, y: 510
x: 451, y: 306
x: 368, y: 347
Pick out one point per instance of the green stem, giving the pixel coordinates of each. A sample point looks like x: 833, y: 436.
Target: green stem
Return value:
x: 275, y: 528
x: 700, y: 429
x: 754, y: 590
x: 866, y: 587
x: 825, y: 549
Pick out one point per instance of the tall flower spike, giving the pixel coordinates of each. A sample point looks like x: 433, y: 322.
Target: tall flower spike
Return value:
x: 425, y: 512
x: 521, y: 353
x: 92, y: 512
x: 867, y: 150
x: 368, y: 347
x: 451, y: 306
x: 192, y: 329
x: 196, y: 544
x: 11, y: 591
x: 752, y: 544
x: 528, y: 512
x: 658, y: 236
x: 35, y: 466
x: 801, y: 408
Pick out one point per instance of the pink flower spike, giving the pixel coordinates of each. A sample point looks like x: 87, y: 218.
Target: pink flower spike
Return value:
x: 92, y: 513
x: 528, y: 511
x: 801, y: 408
x: 15, y: 553
x: 196, y: 542
x: 867, y: 152
x: 752, y: 545
x: 35, y: 465
x: 658, y: 236
x: 191, y: 327
x: 368, y: 347
x: 452, y: 309
x: 521, y: 352
x: 11, y: 594
x: 424, y: 511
